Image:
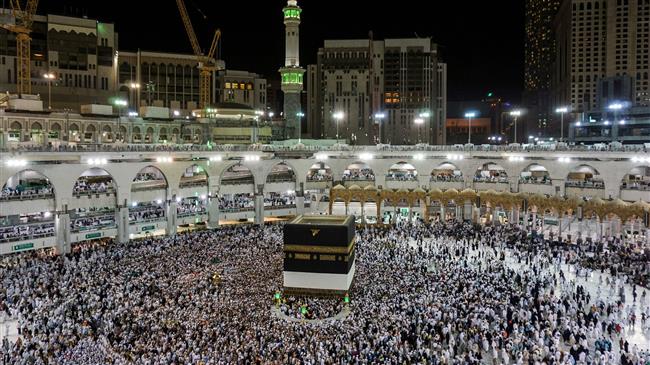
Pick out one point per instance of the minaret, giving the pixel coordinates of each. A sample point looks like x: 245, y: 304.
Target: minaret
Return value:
x: 292, y: 72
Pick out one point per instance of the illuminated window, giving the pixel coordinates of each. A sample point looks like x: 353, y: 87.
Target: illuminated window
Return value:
x: 249, y: 87
x: 227, y: 85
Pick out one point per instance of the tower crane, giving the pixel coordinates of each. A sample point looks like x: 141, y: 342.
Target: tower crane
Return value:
x: 23, y: 18
x: 206, y: 62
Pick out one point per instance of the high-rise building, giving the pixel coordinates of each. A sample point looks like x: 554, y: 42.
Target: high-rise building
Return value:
x: 80, y: 53
x: 395, y: 89
x: 602, y: 54
x: 292, y: 73
x: 539, y: 56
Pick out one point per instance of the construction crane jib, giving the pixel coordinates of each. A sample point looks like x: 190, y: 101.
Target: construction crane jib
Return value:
x: 207, y: 64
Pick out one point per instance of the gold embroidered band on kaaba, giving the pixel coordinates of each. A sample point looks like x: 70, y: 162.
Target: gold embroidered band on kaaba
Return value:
x: 320, y: 248
x: 320, y: 257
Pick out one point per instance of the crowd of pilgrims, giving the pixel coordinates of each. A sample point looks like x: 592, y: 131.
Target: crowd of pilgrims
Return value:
x: 247, y: 201
x: 360, y: 174
x: 146, y: 212
x: 446, y: 293
x: 8, y: 193
x: 18, y: 232
x: 83, y: 186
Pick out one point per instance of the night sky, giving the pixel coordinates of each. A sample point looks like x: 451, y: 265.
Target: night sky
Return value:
x: 481, y: 41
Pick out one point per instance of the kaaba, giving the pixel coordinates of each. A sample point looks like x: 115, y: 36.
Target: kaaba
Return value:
x: 319, y: 254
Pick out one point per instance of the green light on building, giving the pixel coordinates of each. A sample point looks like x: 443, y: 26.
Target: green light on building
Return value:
x: 292, y: 13
x: 292, y: 78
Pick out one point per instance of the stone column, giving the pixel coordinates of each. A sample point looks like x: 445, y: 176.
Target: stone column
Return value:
x: 172, y: 217
x: 515, y: 215
x: 442, y: 212
x: 122, y: 222
x: 259, y: 205
x: 459, y: 213
x: 300, y: 202
x: 63, y: 245
x: 213, y: 211
x: 467, y: 211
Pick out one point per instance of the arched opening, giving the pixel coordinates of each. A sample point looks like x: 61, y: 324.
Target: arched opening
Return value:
x: 535, y: 174
x: 585, y: 177
x: 319, y: 172
x: 107, y: 134
x: 15, y: 132
x: 136, y: 135
x: 491, y: 173
x: 447, y: 172
x: 194, y: 176
x: 237, y: 175
x: 175, y: 135
x: 402, y: 171
x: 149, y: 194
x: 89, y: 136
x: 27, y: 185
x: 281, y: 173
x: 162, y: 135
x: 121, y: 134
x: 149, y: 178
x: 359, y: 171
x: 55, y: 132
x: 148, y: 138
x: 234, y: 203
x: 74, y: 133
x: 99, y: 213
x: 94, y: 181
x: 637, y: 179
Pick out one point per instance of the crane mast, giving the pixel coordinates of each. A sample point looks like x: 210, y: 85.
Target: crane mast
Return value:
x: 24, y: 17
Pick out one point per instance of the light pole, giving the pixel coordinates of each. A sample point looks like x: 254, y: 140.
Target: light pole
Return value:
x: 562, y: 111
x: 378, y: 118
x: 300, y: 115
x: 424, y: 115
x: 516, y: 114
x: 419, y: 122
x: 134, y: 86
x: 338, y: 116
x: 120, y: 103
x: 615, y: 107
x: 470, y: 115
x: 49, y: 77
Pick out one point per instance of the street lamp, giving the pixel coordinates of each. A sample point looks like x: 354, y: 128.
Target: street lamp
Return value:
x: 378, y: 118
x: 562, y: 111
x: 338, y: 116
x: 134, y: 86
x: 615, y: 107
x: 424, y: 115
x: 470, y: 115
x: 419, y: 122
x: 300, y: 115
x: 516, y: 114
x: 120, y: 103
x: 49, y: 77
